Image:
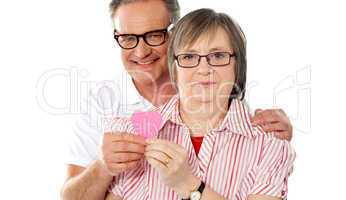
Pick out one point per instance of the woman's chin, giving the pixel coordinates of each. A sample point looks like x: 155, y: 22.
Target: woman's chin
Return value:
x: 205, y: 99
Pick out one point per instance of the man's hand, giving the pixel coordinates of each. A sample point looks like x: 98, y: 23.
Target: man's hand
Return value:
x: 121, y: 151
x: 274, y: 120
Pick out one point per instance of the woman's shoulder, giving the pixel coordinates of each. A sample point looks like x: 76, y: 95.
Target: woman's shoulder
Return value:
x: 272, y: 146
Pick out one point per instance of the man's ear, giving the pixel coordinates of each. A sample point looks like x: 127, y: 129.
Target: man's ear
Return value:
x: 115, y: 31
x: 116, y: 23
x: 170, y: 29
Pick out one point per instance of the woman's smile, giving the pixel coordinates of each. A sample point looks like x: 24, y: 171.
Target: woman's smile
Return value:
x: 206, y: 83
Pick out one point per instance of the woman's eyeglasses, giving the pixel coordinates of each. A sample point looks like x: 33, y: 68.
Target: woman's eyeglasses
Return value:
x: 216, y: 59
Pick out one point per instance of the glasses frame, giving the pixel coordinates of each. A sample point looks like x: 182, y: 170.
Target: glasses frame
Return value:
x: 138, y: 36
x: 206, y: 56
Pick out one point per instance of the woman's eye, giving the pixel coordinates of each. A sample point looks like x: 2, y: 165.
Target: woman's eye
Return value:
x: 219, y: 55
x: 188, y: 57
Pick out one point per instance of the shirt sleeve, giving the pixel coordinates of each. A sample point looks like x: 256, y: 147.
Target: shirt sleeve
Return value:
x: 95, y: 110
x: 83, y: 143
x: 274, y: 168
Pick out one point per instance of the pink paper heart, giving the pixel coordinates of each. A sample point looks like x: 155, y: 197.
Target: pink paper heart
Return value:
x: 146, y: 124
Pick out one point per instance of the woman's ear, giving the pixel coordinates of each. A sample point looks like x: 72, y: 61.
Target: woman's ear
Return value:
x: 236, y: 91
x: 175, y: 77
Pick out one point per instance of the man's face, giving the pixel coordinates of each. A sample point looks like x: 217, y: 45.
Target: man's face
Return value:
x: 146, y: 64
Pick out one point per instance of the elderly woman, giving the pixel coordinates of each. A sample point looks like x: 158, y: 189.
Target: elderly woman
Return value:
x: 206, y: 147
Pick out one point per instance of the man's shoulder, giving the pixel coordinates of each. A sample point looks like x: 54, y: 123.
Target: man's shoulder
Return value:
x: 101, y: 94
x: 111, y: 91
x: 102, y: 87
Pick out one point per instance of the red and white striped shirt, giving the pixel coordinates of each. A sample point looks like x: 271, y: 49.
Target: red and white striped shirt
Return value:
x: 235, y: 160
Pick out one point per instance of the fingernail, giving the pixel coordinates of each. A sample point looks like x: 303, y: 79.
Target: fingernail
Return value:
x: 149, y: 141
x: 254, y: 122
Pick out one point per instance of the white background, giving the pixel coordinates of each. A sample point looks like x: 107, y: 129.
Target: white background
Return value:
x: 296, y: 52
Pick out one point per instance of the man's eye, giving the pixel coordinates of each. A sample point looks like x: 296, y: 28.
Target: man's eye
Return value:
x: 128, y: 39
x: 155, y: 36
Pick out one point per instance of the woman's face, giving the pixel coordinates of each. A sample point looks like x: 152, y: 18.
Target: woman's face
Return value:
x: 206, y: 83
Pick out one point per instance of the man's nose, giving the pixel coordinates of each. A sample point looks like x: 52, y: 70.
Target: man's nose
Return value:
x: 142, y: 49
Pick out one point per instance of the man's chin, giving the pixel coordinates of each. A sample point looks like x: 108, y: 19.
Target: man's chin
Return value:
x: 144, y: 78
x: 144, y: 68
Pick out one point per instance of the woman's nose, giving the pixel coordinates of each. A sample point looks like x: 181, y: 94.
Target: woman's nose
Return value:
x: 142, y: 50
x: 204, y: 67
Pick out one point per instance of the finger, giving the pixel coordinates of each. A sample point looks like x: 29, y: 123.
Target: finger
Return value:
x: 121, y: 167
x: 131, y: 138
x: 162, y: 149
x: 126, y: 147
x: 156, y: 164
x: 173, y: 145
x: 171, y: 149
x: 266, y: 116
x: 283, y: 135
x: 257, y: 111
x: 274, y: 127
x: 159, y: 156
x: 255, y: 118
x: 124, y: 157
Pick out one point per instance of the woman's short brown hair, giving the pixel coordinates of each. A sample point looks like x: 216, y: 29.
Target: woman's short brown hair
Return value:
x: 202, y: 21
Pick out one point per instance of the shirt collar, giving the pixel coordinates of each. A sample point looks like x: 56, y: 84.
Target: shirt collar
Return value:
x: 130, y: 94
x: 237, y: 119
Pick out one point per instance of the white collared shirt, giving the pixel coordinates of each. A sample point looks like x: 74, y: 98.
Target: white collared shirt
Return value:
x: 106, y: 100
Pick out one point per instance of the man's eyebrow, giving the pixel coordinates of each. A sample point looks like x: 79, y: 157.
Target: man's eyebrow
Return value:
x: 159, y: 29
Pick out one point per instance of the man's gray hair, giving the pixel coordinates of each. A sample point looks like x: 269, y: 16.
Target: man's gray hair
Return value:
x: 171, y: 5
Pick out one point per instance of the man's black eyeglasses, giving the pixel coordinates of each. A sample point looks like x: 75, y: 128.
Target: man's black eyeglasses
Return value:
x: 151, y: 38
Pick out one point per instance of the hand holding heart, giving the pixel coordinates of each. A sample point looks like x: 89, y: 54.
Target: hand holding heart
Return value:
x: 123, y: 151
x: 171, y: 161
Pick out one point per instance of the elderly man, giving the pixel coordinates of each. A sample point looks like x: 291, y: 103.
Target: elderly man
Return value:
x: 141, y: 30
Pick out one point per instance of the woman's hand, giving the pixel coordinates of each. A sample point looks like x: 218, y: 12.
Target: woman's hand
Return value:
x: 171, y: 160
